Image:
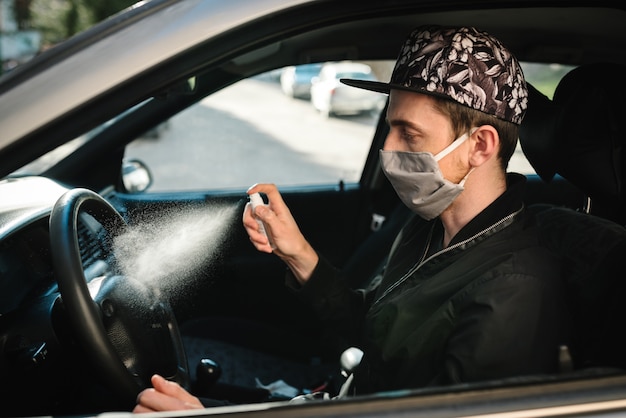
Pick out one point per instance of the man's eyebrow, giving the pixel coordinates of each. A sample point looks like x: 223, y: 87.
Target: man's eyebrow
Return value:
x: 403, y: 123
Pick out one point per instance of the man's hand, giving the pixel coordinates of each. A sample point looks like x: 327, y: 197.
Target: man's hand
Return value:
x: 165, y: 396
x: 288, y: 242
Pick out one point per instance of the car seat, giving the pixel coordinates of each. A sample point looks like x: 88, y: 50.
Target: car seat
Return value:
x: 576, y: 136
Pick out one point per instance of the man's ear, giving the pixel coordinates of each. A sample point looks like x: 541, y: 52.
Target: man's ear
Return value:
x: 485, y: 145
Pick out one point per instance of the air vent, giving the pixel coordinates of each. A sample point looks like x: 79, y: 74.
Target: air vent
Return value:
x: 91, y: 248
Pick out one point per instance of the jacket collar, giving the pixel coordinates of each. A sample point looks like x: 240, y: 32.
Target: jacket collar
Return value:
x: 509, y: 202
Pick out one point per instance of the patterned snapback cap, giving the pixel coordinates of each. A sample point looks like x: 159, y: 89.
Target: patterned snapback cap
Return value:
x: 463, y: 64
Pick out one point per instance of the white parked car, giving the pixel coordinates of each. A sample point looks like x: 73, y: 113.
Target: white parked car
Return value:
x: 331, y: 97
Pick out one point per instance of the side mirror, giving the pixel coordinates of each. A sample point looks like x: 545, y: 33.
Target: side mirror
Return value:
x: 136, y: 177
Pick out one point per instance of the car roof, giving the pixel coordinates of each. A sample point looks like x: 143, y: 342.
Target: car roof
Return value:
x: 139, y: 53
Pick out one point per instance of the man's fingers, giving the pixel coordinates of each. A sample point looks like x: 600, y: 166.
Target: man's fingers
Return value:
x: 153, y: 400
x: 273, y: 195
x: 251, y: 225
x: 165, y: 396
x: 172, y: 389
x: 139, y: 409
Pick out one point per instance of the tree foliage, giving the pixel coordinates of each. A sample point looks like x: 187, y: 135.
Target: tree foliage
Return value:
x: 60, y: 19
x: 22, y: 13
x: 101, y: 9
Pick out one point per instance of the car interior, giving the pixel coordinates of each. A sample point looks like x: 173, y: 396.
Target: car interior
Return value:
x: 239, y: 325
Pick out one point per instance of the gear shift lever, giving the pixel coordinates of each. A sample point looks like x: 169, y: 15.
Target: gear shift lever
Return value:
x: 350, y: 359
x: 207, y: 374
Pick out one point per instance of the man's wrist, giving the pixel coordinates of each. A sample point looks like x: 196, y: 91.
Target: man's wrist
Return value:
x: 303, y: 266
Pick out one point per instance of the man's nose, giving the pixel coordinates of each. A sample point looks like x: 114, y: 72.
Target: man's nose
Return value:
x: 388, y: 145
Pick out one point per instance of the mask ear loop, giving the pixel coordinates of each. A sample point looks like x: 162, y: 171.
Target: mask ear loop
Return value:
x: 462, y: 182
x: 455, y: 144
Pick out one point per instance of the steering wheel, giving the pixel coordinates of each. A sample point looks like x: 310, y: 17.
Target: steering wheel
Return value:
x: 128, y: 332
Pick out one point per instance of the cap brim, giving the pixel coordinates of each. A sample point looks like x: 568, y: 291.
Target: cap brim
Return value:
x: 381, y: 87
x: 376, y: 86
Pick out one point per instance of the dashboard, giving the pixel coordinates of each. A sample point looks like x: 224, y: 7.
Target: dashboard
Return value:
x: 26, y: 265
x: 36, y: 342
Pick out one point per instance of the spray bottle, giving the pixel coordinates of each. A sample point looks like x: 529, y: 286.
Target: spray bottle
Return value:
x: 257, y: 200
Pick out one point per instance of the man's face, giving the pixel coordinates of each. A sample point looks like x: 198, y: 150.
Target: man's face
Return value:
x: 415, y: 125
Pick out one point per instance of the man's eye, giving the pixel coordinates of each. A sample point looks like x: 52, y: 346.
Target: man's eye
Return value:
x: 408, y: 136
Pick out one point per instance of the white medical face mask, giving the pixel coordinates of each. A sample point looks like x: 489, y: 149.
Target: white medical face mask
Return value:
x: 418, y: 181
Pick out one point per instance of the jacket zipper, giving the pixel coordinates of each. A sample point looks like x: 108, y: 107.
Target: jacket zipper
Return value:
x: 424, y: 260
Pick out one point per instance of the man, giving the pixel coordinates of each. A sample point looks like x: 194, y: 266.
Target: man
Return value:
x: 468, y: 293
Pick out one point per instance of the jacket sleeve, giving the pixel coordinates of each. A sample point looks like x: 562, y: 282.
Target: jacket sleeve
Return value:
x: 509, y: 326
x: 340, y: 308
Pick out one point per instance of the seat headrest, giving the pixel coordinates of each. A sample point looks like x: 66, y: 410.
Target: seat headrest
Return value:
x: 591, y: 142
x: 537, y: 133
x: 576, y: 135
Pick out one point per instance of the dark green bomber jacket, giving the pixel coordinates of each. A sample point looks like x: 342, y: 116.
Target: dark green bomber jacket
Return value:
x: 488, y: 306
